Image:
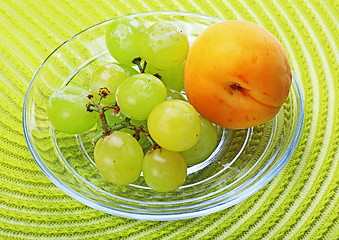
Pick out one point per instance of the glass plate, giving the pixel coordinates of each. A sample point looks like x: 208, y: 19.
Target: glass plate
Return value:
x: 244, y: 161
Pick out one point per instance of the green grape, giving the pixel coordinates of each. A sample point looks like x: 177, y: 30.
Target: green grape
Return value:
x: 130, y: 71
x: 172, y: 94
x: 109, y: 76
x: 123, y: 38
x: 164, y: 46
x: 119, y: 157
x: 172, y: 78
x: 206, y: 144
x: 174, y: 125
x: 164, y: 170
x: 67, y: 110
x: 139, y: 94
x: 138, y: 122
x: 114, y: 118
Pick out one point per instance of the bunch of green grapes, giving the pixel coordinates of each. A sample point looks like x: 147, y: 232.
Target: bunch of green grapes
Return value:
x: 145, y: 123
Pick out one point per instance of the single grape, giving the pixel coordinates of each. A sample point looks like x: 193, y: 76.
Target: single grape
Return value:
x: 67, y: 110
x: 109, y: 76
x: 172, y: 78
x: 164, y: 170
x: 174, y: 125
x: 139, y: 94
x: 129, y: 70
x: 164, y: 46
x: 119, y: 157
x: 206, y: 144
x: 123, y: 38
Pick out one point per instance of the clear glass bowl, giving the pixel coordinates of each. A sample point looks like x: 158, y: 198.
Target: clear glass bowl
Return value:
x: 244, y: 161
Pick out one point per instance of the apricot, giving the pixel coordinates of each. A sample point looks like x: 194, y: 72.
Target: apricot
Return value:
x: 237, y: 74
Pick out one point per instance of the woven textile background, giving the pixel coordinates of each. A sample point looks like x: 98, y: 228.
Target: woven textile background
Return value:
x: 302, y: 202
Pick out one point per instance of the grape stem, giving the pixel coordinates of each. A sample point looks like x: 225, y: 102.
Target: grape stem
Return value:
x: 107, y: 130
x: 125, y: 124
x: 103, y: 120
x: 137, y: 61
x: 140, y: 129
x: 93, y: 106
x: 115, y: 108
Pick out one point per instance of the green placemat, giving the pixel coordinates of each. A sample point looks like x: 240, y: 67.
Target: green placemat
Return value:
x: 302, y: 202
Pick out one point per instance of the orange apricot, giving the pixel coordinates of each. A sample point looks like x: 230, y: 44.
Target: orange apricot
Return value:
x: 237, y: 74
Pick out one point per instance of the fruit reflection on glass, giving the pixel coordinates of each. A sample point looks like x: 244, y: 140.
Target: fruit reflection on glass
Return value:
x: 235, y: 74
